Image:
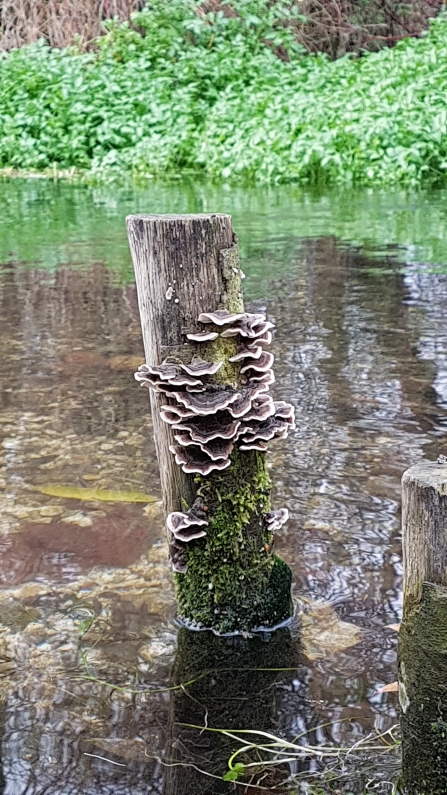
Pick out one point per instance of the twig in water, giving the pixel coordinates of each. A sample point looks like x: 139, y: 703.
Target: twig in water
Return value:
x: 96, y: 756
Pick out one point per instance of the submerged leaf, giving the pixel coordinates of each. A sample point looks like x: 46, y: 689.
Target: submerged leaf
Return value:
x: 393, y: 687
x: 394, y: 627
x: 322, y: 631
x: 107, y: 495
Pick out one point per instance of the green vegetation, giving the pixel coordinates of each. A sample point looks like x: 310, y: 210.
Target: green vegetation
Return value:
x: 258, y: 752
x: 187, y: 92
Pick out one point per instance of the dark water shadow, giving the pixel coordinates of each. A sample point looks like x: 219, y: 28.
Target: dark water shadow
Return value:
x: 237, y: 684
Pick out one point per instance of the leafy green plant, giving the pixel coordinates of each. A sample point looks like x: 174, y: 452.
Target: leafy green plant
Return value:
x: 204, y: 92
x: 264, y: 752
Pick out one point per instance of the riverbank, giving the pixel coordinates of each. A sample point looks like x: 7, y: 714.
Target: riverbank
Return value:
x: 211, y: 96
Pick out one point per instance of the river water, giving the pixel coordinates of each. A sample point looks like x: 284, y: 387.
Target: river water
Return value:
x: 356, y: 283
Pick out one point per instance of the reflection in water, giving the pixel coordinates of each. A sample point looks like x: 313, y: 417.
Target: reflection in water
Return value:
x: 237, y: 684
x: 87, y: 600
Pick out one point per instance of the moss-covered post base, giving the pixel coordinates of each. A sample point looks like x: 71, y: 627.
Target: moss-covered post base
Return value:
x: 234, y: 581
x: 423, y: 693
x: 422, y: 651
x: 209, y: 371
x: 235, y: 684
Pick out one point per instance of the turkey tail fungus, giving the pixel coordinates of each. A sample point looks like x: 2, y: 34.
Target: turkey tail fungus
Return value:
x: 209, y: 374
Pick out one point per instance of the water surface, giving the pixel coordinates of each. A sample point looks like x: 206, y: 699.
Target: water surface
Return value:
x: 357, y: 286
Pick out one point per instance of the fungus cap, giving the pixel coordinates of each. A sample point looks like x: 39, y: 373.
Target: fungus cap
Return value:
x: 203, y: 336
x: 206, y: 403
x: 200, y: 367
x: 259, y: 365
x: 195, y: 460
x: 220, y: 317
x: 177, y: 520
x: 178, y: 558
x: 249, y: 329
x: 263, y: 380
x: 204, y: 429
x: 215, y: 449
x: 243, y: 403
x: 172, y: 414
x: 247, y: 352
x: 276, y: 519
x: 189, y: 533
x: 265, y: 339
x: 265, y: 430
x: 262, y: 407
x: 259, y: 445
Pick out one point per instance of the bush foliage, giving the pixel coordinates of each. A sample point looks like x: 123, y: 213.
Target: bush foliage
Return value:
x: 207, y: 92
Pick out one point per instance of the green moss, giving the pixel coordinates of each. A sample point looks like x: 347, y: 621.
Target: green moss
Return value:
x: 220, y: 351
x: 224, y: 348
x: 422, y: 657
x: 232, y: 276
x: 234, y: 579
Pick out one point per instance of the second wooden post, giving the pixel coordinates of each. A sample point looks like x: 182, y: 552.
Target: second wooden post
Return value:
x: 422, y: 653
x: 209, y: 371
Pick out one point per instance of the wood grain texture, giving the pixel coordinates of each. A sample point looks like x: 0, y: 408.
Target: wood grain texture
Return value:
x: 180, y: 264
x: 424, y: 528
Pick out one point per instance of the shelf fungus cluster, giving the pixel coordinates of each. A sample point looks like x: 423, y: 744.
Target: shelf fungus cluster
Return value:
x: 208, y: 419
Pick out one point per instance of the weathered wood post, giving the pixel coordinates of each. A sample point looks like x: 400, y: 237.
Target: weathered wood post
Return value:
x: 209, y: 376
x: 422, y: 652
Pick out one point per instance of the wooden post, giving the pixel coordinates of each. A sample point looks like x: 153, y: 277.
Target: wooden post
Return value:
x: 186, y: 265
x: 422, y: 652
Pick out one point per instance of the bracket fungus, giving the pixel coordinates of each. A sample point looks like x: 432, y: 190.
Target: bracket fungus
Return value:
x: 264, y: 339
x: 185, y: 527
x: 200, y: 368
x: 203, y: 336
x: 262, y: 407
x: 276, y: 519
x: 205, y: 429
x: 207, y: 402
x: 210, y: 419
x: 173, y: 414
x: 247, y: 352
x: 220, y: 317
x: 264, y: 380
x: 197, y: 461
x: 260, y: 364
x: 215, y: 448
x: 179, y: 557
x: 254, y: 445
